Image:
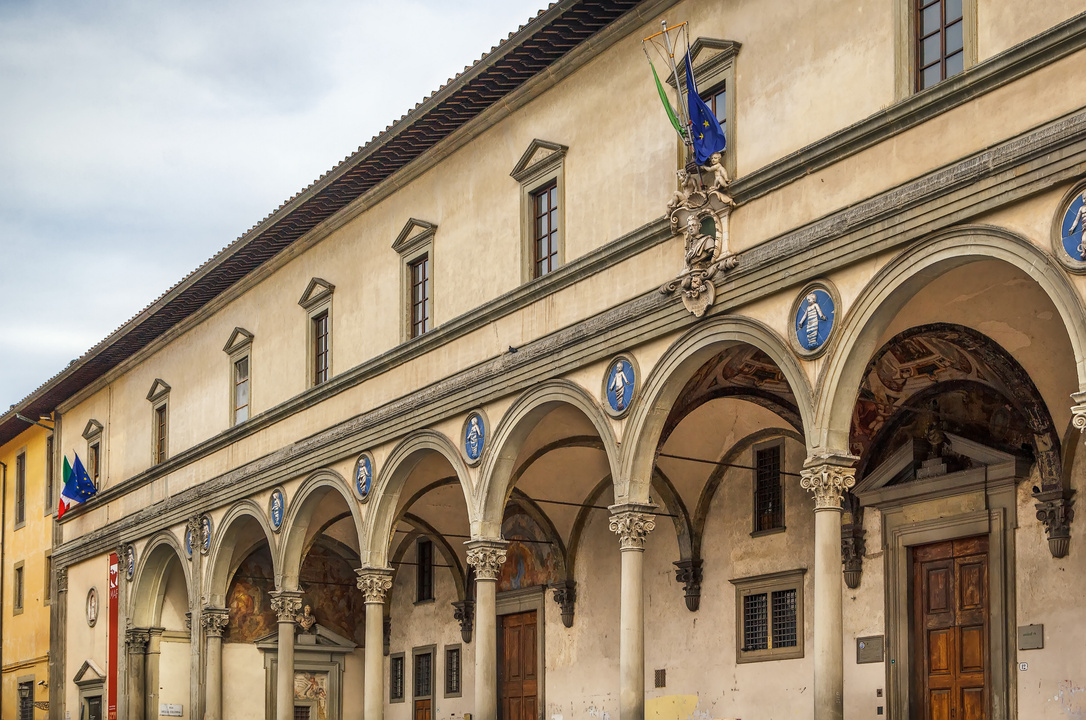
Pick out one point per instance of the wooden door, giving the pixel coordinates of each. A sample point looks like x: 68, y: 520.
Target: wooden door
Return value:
x: 517, y: 672
x: 950, y: 630
x: 422, y: 709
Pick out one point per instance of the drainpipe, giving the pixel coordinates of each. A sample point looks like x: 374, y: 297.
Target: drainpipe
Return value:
x: 3, y: 551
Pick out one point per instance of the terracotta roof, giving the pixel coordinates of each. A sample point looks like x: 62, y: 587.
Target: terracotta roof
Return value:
x: 548, y: 36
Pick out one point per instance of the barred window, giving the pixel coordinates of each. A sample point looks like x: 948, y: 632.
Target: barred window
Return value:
x: 769, y: 616
x: 20, y: 490
x: 424, y: 570
x: 768, y: 488
x: 424, y: 675
x: 396, y: 678
x: 452, y: 671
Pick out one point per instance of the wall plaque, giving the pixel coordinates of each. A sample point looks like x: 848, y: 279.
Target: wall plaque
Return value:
x: 1031, y: 637
x: 869, y: 649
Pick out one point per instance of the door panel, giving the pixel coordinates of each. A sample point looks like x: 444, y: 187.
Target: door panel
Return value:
x: 422, y: 710
x: 950, y: 630
x: 517, y: 678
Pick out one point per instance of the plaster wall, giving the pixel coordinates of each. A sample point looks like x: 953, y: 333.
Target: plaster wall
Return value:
x: 85, y: 642
x: 174, y: 669
x: 243, y: 675
x: 863, y: 615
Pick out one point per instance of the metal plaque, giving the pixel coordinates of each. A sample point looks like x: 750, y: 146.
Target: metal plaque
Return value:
x: 1031, y: 637
x: 869, y: 649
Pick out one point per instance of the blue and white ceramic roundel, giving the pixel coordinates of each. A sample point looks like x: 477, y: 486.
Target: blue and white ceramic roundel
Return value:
x: 276, y: 509
x: 363, y: 477
x: 129, y: 562
x: 188, y: 541
x: 620, y: 385
x: 814, y: 319
x: 1071, y: 229
x: 474, y: 436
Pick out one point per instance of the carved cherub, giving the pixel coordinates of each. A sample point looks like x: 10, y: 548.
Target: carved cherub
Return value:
x: 687, y: 185
x: 720, y: 178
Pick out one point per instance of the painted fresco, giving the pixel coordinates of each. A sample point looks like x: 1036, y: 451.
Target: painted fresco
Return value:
x: 329, y: 584
x: 313, y: 686
x: 248, y: 600
x: 740, y: 371
x: 948, y: 378
x: 530, y: 559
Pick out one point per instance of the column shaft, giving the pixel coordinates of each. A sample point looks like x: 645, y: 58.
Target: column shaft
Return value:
x: 486, y: 649
x: 284, y: 678
x: 213, y: 706
x: 152, y: 675
x: 374, y: 700
x: 633, y: 523
x: 829, y: 664
x: 137, y: 641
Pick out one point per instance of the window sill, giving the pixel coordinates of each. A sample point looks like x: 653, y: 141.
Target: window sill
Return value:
x: 771, y: 531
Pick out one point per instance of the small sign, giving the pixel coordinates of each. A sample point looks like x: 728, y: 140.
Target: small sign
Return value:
x: 1023, y: 666
x: 869, y: 649
x: 170, y: 710
x: 1031, y: 637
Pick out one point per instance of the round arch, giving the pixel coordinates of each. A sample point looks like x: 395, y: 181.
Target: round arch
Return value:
x: 902, y: 278
x: 296, y: 523
x: 223, y: 553
x: 152, y: 573
x: 381, y: 515
x: 667, y: 379
x: 523, y: 415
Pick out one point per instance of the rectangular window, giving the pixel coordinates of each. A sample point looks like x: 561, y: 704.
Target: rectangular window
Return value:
x: 26, y: 700
x: 320, y: 348
x: 940, y: 41
x: 160, y: 434
x: 49, y: 479
x: 769, y: 617
x: 424, y: 675
x: 545, y: 229
x: 94, y: 461
x: 301, y: 712
x: 48, y: 594
x: 20, y: 489
x: 452, y: 671
x: 396, y: 678
x: 768, y: 491
x: 419, y: 272
x: 241, y: 390
x: 717, y: 100
x: 18, y: 588
x: 424, y: 570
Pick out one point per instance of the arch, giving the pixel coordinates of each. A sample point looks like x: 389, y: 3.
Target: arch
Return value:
x: 667, y: 379
x: 497, y: 476
x: 223, y: 559
x: 296, y: 522
x: 898, y: 282
x: 421, y: 528
x: 382, y: 514
x: 152, y: 572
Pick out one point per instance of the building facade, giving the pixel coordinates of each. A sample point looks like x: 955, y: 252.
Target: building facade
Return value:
x: 497, y: 418
x: 29, y: 504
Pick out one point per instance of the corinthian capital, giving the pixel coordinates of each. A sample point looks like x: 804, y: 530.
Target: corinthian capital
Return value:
x: 286, y: 604
x: 828, y: 477
x: 1078, y: 411
x: 633, y: 523
x: 487, y: 557
x: 374, y: 583
x: 215, y: 620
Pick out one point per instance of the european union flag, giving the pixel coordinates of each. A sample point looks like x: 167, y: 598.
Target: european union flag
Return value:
x: 705, y: 129
x: 78, y: 486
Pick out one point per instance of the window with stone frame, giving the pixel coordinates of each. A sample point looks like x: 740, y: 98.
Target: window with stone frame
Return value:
x: 396, y: 680
x: 20, y: 490
x: 423, y: 675
x: 424, y: 570
x: 934, y: 40
x: 713, y: 62
x: 453, y: 673
x: 50, y: 474
x: 159, y: 397
x: 18, y: 587
x: 769, y: 616
x: 239, y: 348
x: 542, y: 190
x: 415, y: 245
x: 317, y: 302
x: 93, y: 433
x: 768, y: 464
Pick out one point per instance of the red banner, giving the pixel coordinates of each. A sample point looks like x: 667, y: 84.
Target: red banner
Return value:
x: 113, y: 640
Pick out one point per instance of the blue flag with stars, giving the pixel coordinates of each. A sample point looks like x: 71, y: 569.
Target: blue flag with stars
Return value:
x: 705, y: 129
x: 78, y: 486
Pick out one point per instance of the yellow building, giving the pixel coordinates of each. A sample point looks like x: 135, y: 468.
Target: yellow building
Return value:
x: 27, y: 469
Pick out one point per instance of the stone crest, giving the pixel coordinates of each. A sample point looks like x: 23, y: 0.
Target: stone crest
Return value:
x: 699, y: 212
x: 363, y: 476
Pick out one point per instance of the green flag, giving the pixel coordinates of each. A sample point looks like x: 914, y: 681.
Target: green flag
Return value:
x: 67, y: 470
x: 667, y: 106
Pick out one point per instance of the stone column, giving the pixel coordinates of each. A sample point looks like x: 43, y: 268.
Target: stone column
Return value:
x: 633, y: 523
x: 286, y: 604
x: 58, y: 638
x: 374, y: 584
x: 827, y: 477
x: 152, y: 675
x: 137, y: 640
x: 214, y: 621
x: 487, y: 557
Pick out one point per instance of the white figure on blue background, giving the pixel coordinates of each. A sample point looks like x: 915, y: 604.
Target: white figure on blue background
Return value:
x: 363, y: 479
x: 618, y: 385
x: 809, y: 320
x: 1080, y: 224
x: 474, y: 438
x: 277, y: 509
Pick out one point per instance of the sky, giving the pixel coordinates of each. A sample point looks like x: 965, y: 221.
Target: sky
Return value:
x: 137, y: 139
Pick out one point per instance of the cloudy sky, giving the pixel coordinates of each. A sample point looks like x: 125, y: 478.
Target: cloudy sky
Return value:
x: 137, y: 139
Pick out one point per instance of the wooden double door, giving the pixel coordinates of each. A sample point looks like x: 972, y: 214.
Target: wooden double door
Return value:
x: 518, y: 673
x: 950, y: 663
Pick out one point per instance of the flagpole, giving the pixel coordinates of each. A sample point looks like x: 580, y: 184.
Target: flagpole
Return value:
x: 688, y: 141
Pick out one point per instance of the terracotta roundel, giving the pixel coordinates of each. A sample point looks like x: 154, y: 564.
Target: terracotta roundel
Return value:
x: 814, y: 316
x: 363, y: 476
x: 474, y: 436
x: 1069, y: 238
x: 620, y: 385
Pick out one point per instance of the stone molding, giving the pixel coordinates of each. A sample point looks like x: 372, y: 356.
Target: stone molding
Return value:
x: 1055, y: 510
x: 286, y: 604
x: 767, y: 268
x: 689, y: 573
x: 632, y: 522
x: 464, y: 613
x: 1078, y: 411
x: 827, y: 477
x: 137, y: 640
x: 62, y: 580
x: 565, y: 595
x: 374, y: 584
x: 215, y: 620
x: 487, y: 557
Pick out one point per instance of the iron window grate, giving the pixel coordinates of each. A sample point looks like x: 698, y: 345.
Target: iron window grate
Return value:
x: 784, y: 618
x: 755, y: 631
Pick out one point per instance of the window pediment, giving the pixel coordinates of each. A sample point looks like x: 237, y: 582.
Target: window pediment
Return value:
x: 709, y: 57
x: 92, y: 429
x: 540, y: 157
x: 158, y: 388
x: 239, y: 338
x: 317, y: 291
x: 414, y: 234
